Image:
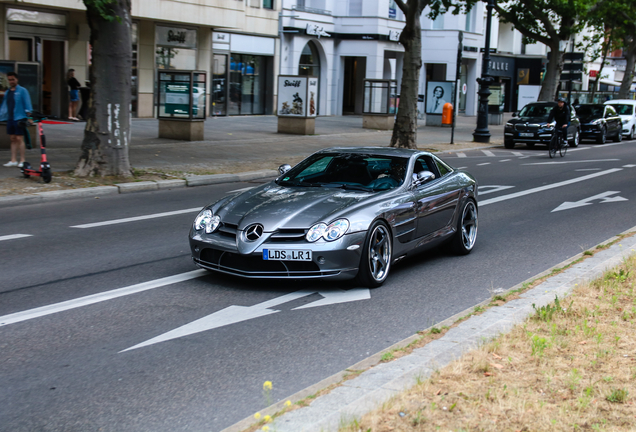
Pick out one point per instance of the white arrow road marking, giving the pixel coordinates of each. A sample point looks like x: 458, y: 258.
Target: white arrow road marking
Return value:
x: 604, y: 197
x: 492, y: 188
x: 96, y: 298
x: 547, y: 187
x: 236, y: 314
x: 138, y: 218
x: 572, y: 161
x: 14, y: 236
x: 338, y: 296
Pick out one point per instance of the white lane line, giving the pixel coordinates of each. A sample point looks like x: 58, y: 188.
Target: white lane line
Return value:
x: 137, y: 218
x: 629, y: 166
x: 241, y: 190
x: 461, y: 168
x: 572, y: 161
x: 517, y: 154
x: 14, y: 236
x: 488, y: 153
x: 461, y: 155
x: 547, y: 187
x: 609, y: 145
x: 482, y: 164
x: 588, y: 169
x: 96, y: 298
x: 505, y: 160
x: 570, y: 149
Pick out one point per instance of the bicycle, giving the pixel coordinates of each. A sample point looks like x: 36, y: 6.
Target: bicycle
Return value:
x: 558, y: 143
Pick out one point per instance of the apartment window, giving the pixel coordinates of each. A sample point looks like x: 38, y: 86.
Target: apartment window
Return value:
x: 268, y: 4
x: 438, y: 23
x: 470, y: 20
x: 355, y: 7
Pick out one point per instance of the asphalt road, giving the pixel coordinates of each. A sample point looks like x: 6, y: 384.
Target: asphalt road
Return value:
x: 72, y: 370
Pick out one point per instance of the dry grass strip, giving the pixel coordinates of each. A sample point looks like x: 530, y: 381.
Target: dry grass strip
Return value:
x: 571, y: 366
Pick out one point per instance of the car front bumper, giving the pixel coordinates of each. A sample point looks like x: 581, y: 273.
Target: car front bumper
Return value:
x: 339, y: 259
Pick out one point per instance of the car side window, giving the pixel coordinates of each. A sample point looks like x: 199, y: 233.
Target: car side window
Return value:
x: 442, y: 167
x: 421, y: 164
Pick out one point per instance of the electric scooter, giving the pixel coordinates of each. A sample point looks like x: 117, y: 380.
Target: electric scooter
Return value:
x: 45, y: 167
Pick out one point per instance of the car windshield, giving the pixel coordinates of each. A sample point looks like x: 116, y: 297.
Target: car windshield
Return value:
x: 589, y: 111
x: 623, y: 109
x: 353, y: 171
x: 536, y: 111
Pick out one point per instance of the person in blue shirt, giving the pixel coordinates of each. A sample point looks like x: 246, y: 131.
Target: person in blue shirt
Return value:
x: 16, y: 106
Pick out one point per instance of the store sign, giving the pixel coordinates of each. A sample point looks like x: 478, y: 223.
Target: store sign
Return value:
x: 316, y: 30
x: 297, y: 96
x: 220, y: 38
x: 394, y: 35
x: 177, y: 37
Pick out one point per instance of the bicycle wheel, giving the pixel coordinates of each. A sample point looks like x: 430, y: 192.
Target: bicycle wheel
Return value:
x: 564, y: 148
x: 552, y: 147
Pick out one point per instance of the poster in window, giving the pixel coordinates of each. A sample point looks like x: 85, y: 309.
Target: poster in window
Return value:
x: 312, y: 95
x: 437, y: 94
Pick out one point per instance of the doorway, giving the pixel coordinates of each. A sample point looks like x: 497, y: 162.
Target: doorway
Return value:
x: 352, y: 91
x: 54, y: 94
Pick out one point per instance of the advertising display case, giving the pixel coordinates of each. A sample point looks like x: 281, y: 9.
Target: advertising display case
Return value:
x: 182, y: 104
x: 380, y: 104
x: 297, y: 104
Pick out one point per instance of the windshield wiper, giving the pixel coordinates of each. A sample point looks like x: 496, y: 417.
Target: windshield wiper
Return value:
x: 298, y: 184
x: 350, y: 187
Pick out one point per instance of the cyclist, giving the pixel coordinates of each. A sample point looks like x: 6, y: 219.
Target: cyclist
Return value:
x: 560, y: 114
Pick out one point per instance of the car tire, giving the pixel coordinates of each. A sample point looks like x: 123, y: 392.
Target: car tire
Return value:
x: 46, y: 175
x: 576, y: 139
x: 509, y: 144
x: 530, y: 145
x: 619, y: 136
x: 602, y: 139
x: 463, y: 242
x: 377, y: 256
x: 631, y: 133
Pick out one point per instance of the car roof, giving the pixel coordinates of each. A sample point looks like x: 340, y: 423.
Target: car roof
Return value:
x: 380, y: 151
x: 596, y: 105
x: 621, y: 101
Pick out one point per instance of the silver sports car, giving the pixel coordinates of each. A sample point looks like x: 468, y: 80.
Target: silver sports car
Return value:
x: 340, y: 213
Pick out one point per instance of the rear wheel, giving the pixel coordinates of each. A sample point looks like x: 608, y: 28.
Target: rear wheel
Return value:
x: 25, y: 166
x: 46, y: 175
x: 376, y: 256
x: 464, y: 239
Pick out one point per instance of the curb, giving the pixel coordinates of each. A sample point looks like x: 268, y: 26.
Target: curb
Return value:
x: 133, y: 187
x: 381, y: 381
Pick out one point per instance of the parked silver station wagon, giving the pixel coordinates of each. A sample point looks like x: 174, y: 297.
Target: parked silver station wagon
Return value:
x: 341, y: 213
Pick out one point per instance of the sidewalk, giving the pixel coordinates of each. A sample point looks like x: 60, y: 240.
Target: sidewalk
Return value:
x: 238, y: 144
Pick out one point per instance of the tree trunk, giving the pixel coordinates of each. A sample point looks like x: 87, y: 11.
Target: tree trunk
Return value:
x: 405, y: 128
x: 107, y: 134
x: 628, y: 78
x: 552, y: 74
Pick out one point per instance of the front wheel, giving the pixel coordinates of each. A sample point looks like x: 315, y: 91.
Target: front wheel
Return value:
x: 46, y: 175
x: 619, y: 136
x: 376, y: 256
x: 631, y: 133
x: 576, y: 138
x: 552, y: 151
x: 602, y: 138
x: 563, y: 148
x: 464, y: 239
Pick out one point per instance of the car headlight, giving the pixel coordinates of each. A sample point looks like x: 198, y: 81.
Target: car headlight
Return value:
x: 206, y: 220
x: 330, y: 232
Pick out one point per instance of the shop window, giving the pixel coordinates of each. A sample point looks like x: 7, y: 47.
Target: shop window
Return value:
x: 176, y: 48
x: 247, y: 84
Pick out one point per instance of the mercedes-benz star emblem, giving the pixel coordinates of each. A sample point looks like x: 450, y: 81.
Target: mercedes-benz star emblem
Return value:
x: 254, y: 232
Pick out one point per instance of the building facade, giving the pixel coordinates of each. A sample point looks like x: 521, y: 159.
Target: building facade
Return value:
x: 234, y: 41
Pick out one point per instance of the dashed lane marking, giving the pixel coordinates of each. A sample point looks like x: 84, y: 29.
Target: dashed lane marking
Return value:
x: 517, y: 154
x: 505, y: 160
x: 461, y: 155
x: 137, y: 218
x: 481, y: 164
x: 488, y: 153
x: 14, y: 236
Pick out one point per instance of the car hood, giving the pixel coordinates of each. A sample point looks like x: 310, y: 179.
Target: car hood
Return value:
x: 277, y: 207
x: 588, y: 119
x: 534, y: 120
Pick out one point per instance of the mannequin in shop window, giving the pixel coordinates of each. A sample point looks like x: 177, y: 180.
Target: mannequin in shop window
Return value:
x: 74, y: 85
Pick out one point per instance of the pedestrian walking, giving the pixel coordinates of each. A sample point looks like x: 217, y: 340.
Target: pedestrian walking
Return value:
x: 74, y: 84
x: 16, y: 106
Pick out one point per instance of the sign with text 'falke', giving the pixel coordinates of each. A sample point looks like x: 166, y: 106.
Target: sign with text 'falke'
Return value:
x: 297, y: 96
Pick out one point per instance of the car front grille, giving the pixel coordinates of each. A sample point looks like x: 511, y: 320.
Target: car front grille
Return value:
x: 256, y: 266
x: 526, y: 127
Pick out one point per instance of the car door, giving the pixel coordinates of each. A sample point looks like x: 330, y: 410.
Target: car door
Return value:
x: 435, y: 200
x: 614, y: 122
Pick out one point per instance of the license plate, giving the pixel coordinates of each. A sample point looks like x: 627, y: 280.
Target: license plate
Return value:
x: 286, y: 255
x: 526, y: 134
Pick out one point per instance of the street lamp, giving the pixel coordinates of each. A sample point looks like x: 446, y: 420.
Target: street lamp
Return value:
x: 482, y: 134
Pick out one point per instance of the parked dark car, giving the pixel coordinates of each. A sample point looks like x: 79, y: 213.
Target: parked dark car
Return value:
x: 598, y: 122
x: 531, y: 126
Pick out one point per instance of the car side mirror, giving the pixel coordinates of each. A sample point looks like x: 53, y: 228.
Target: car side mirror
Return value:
x: 284, y: 168
x: 515, y: 114
x: 422, y: 177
